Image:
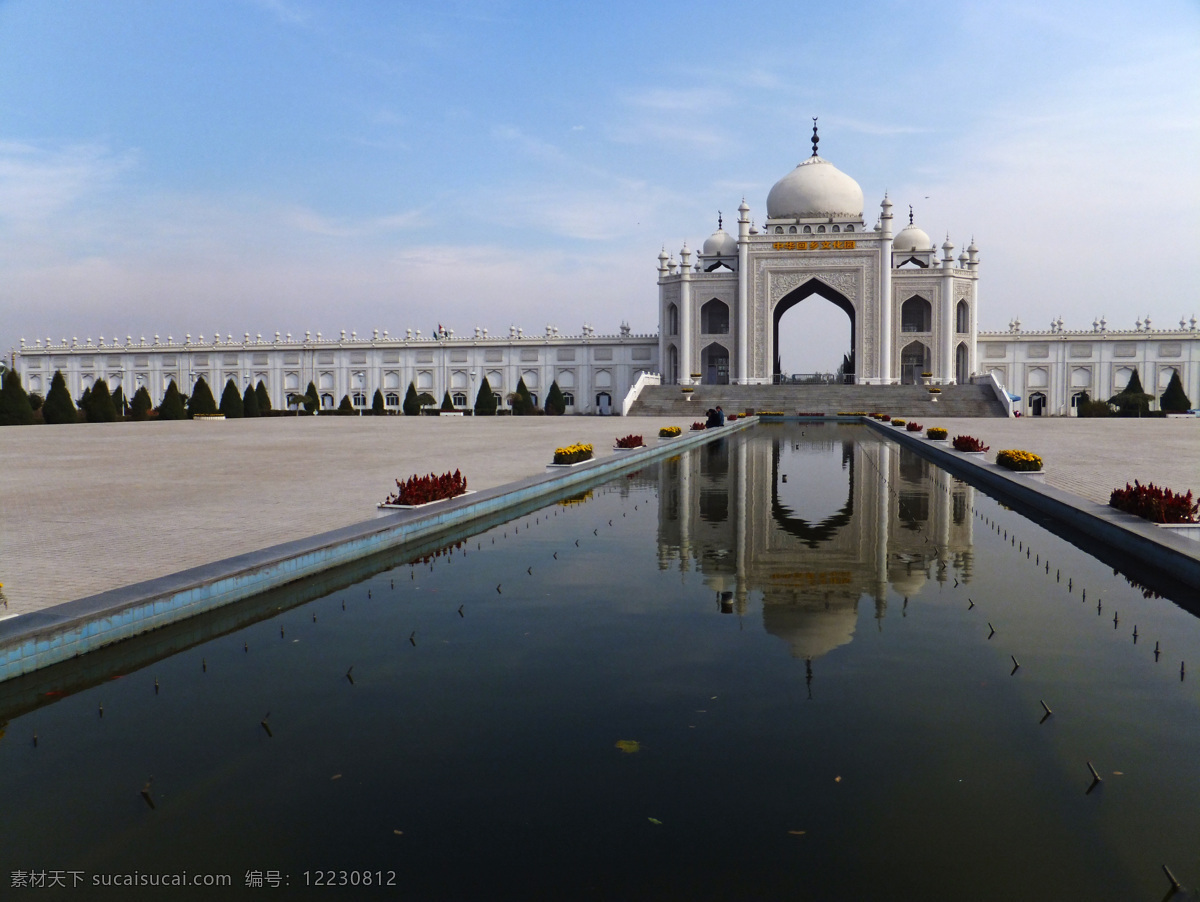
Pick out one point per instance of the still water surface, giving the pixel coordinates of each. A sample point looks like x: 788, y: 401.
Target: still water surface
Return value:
x: 781, y: 665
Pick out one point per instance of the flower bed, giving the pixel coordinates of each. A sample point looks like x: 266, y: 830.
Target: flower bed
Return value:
x: 778, y: 413
x: 669, y: 432
x: 417, y: 490
x: 852, y: 413
x: 898, y: 423
x: 968, y: 443
x: 573, y: 454
x: 1154, y: 503
x: 913, y: 426
x: 885, y: 417
x: 935, y: 391
x: 936, y: 433
x: 697, y: 426
x: 1020, y: 461
x: 630, y: 441
x: 818, y: 413
x: 687, y: 389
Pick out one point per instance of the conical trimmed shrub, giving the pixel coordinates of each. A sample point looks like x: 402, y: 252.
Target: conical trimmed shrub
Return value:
x: 412, y: 406
x: 485, y: 401
x: 523, y: 402
x: 447, y: 404
x: 346, y: 408
x: 15, y: 409
x: 100, y: 408
x: 172, y: 407
x: 250, y: 402
x: 264, y: 399
x: 202, y: 400
x: 556, y: 404
x: 312, y: 401
x: 378, y: 408
x: 1175, y: 399
x: 231, y: 402
x: 59, y: 408
x: 141, y: 403
x: 119, y: 402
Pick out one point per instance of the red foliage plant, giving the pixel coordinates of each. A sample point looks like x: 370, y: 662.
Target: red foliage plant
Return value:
x: 913, y: 427
x: 885, y: 417
x: 630, y: 441
x: 1154, y: 503
x: 424, y: 489
x: 697, y: 426
x: 968, y: 443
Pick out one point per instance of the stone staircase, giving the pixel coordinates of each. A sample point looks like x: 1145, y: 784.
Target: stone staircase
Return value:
x: 912, y: 401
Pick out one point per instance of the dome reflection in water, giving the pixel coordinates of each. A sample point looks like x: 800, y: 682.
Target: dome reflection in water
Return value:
x: 778, y: 665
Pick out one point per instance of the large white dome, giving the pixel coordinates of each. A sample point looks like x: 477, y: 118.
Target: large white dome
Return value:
x: 815, y: 188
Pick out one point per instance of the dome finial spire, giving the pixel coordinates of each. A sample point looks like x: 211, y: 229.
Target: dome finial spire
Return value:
x: 815, y: 139
x: 910, y: 222
x: 720, y: 223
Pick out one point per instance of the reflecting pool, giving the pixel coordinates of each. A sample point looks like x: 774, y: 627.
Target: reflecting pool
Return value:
x: 797, y: 662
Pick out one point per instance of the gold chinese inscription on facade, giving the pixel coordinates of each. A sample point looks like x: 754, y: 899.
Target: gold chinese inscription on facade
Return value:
x: 833, y: 245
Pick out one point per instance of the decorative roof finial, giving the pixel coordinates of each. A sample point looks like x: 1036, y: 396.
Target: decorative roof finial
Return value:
x: 910, y: 222
x: 815, y: 139
x: 720, y: 224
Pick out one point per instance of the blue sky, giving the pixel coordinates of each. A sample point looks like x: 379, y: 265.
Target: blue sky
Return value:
x: 292, y: 165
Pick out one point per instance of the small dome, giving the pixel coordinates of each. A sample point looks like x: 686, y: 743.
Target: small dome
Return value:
x: 910, y: 238
x: 815, y: 188
x: 720, y: 244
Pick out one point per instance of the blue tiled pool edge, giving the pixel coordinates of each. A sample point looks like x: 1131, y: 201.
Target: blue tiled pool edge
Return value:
x: 40, y: 639
x: 1126, y: 533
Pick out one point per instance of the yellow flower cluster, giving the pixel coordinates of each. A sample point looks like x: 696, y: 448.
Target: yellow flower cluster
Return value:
x: 935, y: 391
x: 572, y: 454
x: 771, y: 413
x: 669, y: 432
x: 937, y: 433
x: 898, y: 422
x: 1022, y: 461
x: 852, y: 413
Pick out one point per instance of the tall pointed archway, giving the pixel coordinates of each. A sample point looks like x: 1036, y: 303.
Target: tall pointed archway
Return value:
x: 802, y: 293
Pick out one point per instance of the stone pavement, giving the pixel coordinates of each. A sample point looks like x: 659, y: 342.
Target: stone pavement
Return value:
x: 87, y: 508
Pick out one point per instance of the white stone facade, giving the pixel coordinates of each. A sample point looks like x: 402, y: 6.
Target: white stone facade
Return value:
x: 1049, y: 370
x: 593, y: 371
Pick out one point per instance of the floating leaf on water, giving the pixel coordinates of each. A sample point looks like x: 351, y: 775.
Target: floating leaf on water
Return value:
x: 336, y: 777
x: 837, y: 779
x: 629, y: 746
x: 797, y: 832
x: 654, y: 820
x: 398, y: 832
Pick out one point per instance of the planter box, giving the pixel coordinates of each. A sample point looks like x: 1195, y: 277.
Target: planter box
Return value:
x: 979, y: 454
x: 578, y: 463
x: 1035, y: 475
x: 1187, y: 530
x: 643, y: 445
x: 413, y: 507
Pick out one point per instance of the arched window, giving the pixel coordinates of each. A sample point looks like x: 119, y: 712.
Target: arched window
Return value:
x: 849, y: 228
x: 808, y: 230
x: 499, y: 399
x: 821, y: 229
x: 914, y: 360
x: 962, y: 319
x: 458, y: 399
x: 568, y: 399
x: 392, y: 399
x: 327, y: 402
x: 672, y: 320
x: 791, y: 230
x: 714, y: 318
x: 360, y: 400
x: 916, y: 315
x: 836, y: 229
x: 778, y: 230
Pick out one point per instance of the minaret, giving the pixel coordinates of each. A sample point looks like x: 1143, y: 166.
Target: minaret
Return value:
x: 743, y: 290
x: 885, y: 292
x: 948, y: 311
x: 685, y: 316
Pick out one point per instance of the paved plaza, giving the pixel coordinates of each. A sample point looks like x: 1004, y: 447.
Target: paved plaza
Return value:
x: 87, y: 508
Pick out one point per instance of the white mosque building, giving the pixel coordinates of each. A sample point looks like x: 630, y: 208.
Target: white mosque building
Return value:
x: 913, y: 318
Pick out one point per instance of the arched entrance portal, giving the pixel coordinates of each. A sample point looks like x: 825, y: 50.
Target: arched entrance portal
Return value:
x: 962, y: 365
x: 914, y: 360
x: 714, y: 364
x: 815, y: 287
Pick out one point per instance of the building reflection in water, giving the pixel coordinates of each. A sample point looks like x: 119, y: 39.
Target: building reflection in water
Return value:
x: 815, y: 518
